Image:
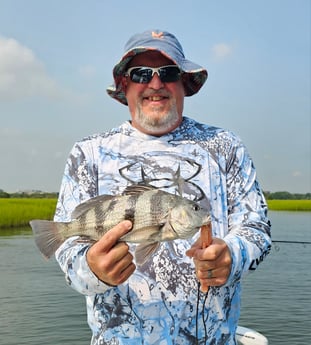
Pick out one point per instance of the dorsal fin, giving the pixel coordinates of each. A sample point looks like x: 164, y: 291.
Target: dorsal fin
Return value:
x: 91, y: 203
x: 137, y: 189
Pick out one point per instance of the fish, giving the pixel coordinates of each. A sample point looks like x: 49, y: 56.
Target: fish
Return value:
x: 156, y: 216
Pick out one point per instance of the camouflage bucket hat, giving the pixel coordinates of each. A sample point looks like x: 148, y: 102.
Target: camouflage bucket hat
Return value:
x: 194, y: 76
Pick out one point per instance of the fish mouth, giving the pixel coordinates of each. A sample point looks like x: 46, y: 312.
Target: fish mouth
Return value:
x: 187, y: 234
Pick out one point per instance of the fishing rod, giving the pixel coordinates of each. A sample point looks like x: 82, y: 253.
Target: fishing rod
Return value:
x: 296, y: 242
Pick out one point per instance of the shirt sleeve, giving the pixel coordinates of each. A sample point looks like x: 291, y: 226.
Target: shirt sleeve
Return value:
x: 249, y: 237
x: 79, y: 184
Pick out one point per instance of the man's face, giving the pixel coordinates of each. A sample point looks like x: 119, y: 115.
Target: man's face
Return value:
x: 156, y: 107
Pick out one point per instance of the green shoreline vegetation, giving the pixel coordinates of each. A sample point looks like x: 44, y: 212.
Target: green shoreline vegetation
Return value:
x: 17, y: 212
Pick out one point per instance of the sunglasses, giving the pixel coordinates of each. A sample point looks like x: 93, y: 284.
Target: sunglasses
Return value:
x: 143, y: 74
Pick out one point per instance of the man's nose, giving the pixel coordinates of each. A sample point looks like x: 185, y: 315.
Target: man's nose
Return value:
x: 155, y: 82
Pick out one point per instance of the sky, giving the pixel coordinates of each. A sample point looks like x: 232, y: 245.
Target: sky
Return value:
x: 56, y: 60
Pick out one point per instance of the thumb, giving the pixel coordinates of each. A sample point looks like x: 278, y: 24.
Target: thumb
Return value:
x: 206, y: 235
x: 197, y: 245
x: 203, y: 241
x: 206, y: 240
x: 110, y: 238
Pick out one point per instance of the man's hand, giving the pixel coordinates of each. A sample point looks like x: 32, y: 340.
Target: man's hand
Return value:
x: 212, y: 261
x: 111, y: 260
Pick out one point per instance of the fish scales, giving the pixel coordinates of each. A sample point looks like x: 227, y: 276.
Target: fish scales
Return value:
x: 137, y: 207
x: 89, y: 221
x: 83, y: 220
x: 99, y: 211
x: 95, y: 219
x: 156, y: 205
x: 129, y: 212
x: 143, y: 209
x: 106, y: 215
x: 149, y: 211
x: 111, y: 212
x: 86, y: 221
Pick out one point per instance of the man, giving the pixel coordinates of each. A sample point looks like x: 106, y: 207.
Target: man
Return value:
x: 184, y: 293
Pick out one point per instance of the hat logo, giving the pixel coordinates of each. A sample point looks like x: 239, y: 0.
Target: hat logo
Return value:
x: 157, y: 35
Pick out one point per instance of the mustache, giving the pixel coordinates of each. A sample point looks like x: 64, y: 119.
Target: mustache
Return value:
x: 151, y: 93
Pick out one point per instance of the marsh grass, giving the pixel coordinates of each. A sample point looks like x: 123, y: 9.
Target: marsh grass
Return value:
x: 18, y: 212
x: 289, y: 205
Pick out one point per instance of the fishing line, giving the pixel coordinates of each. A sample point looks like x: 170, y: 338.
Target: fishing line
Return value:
x: 203, y: 316
x: 203, y: 312
x: 277, y: 247
x: 197, y: 316
x: 296, y: 242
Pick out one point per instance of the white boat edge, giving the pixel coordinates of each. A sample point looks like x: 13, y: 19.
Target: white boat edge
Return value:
x: 247, y: 336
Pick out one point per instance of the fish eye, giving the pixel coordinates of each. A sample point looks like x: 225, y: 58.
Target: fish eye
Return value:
x: 196, y: 207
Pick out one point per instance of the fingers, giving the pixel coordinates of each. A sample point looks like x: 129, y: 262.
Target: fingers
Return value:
x: 213, y: 273
x: 109, y: 259
x: 117, y: 265
x: 191, y: 252
x: 212, y: 277
x: 113, y: 235
x: 212, y: 264
x: 211, y: 253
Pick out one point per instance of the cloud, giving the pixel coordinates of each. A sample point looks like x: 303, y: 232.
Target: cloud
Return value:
x: 222, y: 50
x: 296, y: 173
x: 23, y: 75
x: 41, y: 154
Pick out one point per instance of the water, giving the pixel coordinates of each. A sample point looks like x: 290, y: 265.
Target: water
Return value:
x: 37, y: 307
x: 277, y: 298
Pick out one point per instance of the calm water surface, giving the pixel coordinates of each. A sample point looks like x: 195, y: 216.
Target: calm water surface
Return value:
x: 37, y: 307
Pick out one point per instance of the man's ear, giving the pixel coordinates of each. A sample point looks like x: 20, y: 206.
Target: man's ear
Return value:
x: 124, y: 84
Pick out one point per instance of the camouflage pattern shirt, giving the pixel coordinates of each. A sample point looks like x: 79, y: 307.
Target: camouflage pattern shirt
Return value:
x: 160, y: 303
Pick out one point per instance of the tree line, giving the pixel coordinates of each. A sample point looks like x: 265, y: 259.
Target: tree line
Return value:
x: 40, y: 194
x: 28, y: 194
x: 287, y: 196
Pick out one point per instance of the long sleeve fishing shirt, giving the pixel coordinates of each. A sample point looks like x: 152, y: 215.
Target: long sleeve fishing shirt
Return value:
x: 160, y: 303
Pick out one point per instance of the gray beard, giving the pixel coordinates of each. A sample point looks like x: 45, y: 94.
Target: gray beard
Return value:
x: 161, y: 125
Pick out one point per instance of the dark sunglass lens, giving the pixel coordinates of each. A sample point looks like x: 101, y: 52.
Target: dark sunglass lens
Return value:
x: 169, y: 74
x: 141, y: 75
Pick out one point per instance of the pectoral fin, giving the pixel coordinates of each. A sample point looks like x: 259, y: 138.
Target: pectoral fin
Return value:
x: 144, y: 251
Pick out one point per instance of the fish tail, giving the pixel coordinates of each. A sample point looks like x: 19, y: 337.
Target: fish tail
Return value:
x: 47, y: 236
